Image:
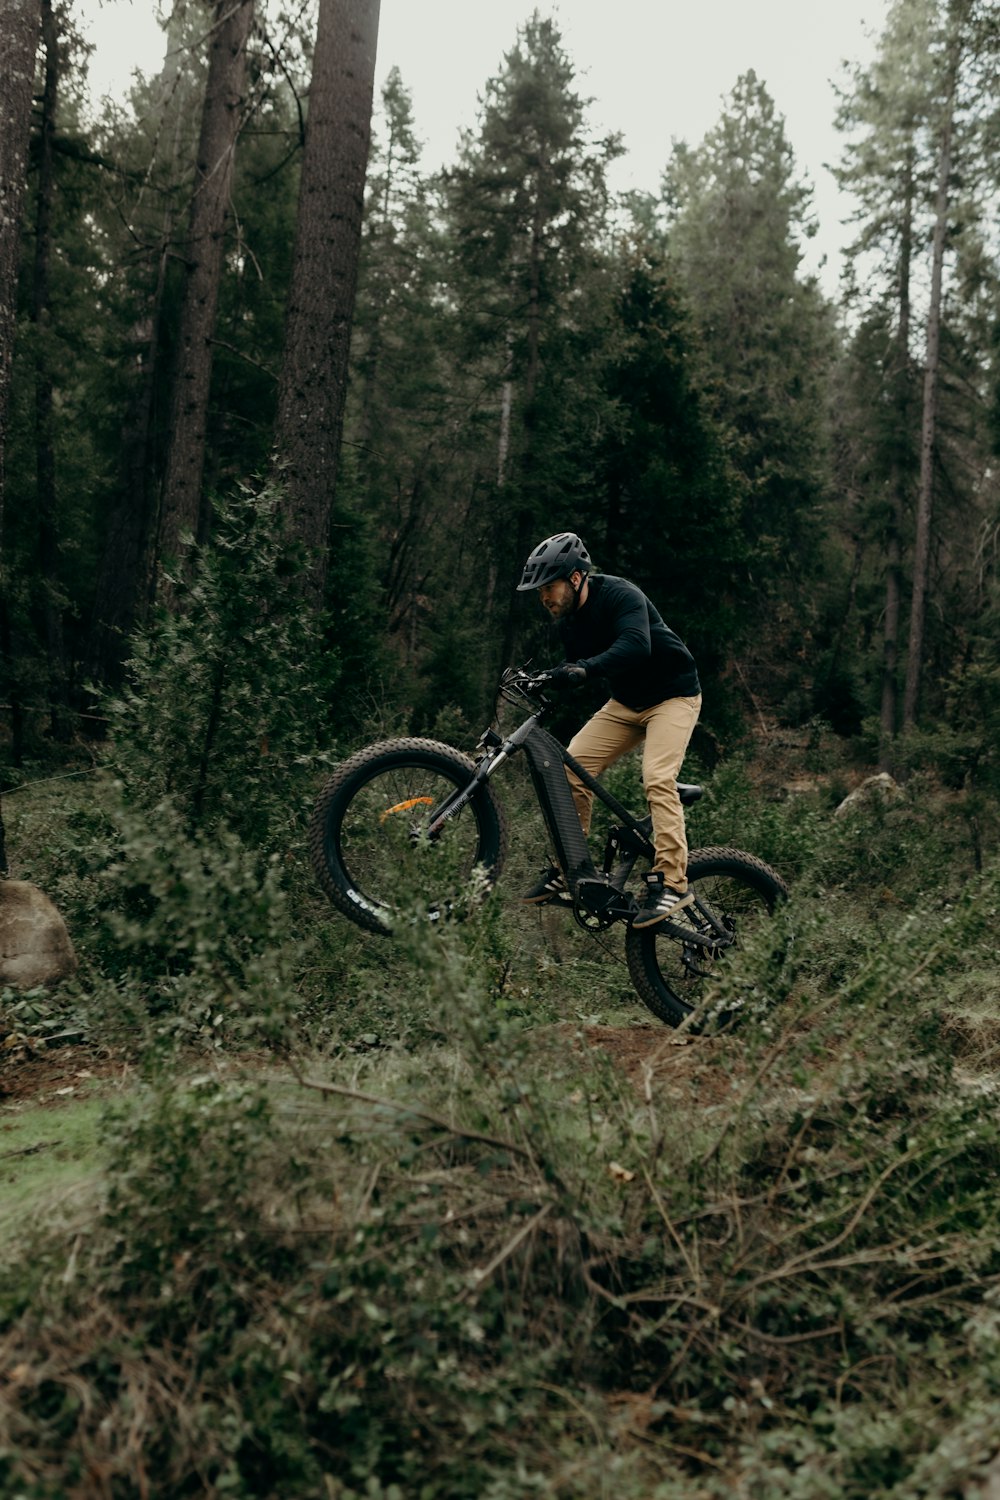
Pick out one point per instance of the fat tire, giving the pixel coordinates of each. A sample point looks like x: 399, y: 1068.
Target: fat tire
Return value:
x: 349, y: 780
x: 652, y: 954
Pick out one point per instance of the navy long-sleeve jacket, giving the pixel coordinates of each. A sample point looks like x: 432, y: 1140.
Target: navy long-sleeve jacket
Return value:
x: 618, y: 634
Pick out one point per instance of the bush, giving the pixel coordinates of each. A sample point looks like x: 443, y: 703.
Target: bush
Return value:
x: 200, y: 927
x: 225, y: 698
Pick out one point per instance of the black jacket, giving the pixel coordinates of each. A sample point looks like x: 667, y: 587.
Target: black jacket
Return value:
x: 618, y: 634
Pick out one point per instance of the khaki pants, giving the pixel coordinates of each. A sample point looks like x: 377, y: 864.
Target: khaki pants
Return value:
x: 665, y: 729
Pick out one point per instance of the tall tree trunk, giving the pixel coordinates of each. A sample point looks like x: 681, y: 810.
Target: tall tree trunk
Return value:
x: 313, y: 382
x: 222, y: 115
x: 503, y: 460
x: 900, y: 483
x: 928, y: 427
x: 526, y: 519
x: 49, y: 594
x: 506, y: 411
x: 125, y: 584
x: 379, y: 225
x: 20, y: 22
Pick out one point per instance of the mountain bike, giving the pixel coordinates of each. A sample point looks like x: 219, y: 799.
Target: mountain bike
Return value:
x: 414, y: 825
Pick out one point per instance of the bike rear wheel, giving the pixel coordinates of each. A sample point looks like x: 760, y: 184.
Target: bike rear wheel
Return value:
x: 367, y: 835
x: 670, y: 975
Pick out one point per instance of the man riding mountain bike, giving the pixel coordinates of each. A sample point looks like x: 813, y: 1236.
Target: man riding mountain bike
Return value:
x: 608, y: 628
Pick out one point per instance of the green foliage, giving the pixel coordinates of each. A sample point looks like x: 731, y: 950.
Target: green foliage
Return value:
x: 185, y: 937
x: 528, y: 211
x: 226, y: 696
x: 668, y: 510
x: 199, y: 926
x: 461, y: 1253
x: 454, y: 1251
x: 180, y: 1165
x: 737, y: 216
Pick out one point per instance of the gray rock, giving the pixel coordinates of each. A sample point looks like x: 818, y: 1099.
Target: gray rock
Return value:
x: 880, y: 788
x: 35, y: 947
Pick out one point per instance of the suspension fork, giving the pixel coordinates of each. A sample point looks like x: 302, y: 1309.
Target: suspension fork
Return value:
x: 547, y: 760
x: 498, y: 752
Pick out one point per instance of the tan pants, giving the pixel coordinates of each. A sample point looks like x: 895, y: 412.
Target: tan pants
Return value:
x: 665, y: 729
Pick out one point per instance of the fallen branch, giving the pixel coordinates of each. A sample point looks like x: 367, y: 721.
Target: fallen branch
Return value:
x: 484, y: 1275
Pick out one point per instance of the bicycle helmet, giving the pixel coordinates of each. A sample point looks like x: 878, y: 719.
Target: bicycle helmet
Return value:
x: 557, y: 557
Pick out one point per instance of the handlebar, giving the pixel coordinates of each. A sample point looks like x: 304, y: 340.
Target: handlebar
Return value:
x: 518, y: 682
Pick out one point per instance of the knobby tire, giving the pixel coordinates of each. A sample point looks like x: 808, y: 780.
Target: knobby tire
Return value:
x: 669, y: 977
x: 367, y: 842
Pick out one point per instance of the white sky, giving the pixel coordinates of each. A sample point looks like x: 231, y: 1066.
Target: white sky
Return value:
x: 657, y: 70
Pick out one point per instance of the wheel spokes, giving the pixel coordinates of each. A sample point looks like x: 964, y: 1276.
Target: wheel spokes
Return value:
x: 385, y: 847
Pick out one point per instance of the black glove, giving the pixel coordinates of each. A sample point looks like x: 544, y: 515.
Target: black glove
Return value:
x: 566, y: 676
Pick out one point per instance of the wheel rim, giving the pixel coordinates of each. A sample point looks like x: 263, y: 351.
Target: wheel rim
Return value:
x: 381, y: 842
x: 740, y: 906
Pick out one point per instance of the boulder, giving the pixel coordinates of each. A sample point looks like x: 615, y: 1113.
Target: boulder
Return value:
x: 35, y: 947
x: 881, y: 788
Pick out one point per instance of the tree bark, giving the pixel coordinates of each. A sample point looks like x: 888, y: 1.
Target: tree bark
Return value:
x: 928, y: 427
x: 900, y: 480
x: 313, y: 382
x: 49, y: 594
x: 222, y: 116
x: 20, y: 23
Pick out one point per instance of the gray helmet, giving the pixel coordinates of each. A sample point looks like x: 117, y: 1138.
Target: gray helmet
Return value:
x: 557, y: 557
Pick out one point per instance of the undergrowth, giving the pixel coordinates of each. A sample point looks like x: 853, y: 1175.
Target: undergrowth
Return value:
x: 488, y: 1264
x: 380, y: 1221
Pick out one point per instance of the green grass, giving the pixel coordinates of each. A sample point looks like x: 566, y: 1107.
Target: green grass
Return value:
x: 51, y: 1159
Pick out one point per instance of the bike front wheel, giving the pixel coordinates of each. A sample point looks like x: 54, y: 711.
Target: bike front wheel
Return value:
x: 732, y: 888
x: 368, y: 840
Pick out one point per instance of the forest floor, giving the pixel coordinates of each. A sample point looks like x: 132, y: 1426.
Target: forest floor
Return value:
x: 679, y: 1061
x: 51, y: 1078
x: 54, y: 1103
x: 55, y: 1075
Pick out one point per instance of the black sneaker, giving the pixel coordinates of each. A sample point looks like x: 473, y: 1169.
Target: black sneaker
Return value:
x: 551, y: 887
x: 661, y: 901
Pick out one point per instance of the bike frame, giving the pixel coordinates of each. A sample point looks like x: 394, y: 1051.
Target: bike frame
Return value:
x: 592, y: 890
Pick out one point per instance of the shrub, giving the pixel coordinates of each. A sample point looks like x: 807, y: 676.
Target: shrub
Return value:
x: 224, y: 698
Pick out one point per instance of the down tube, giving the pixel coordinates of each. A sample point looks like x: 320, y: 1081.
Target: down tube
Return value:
x: 558, y: 808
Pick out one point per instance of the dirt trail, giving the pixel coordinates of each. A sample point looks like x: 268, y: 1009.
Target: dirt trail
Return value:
x: 688, y: 1063
x: 684, y: 1065
x: 52, y: 1077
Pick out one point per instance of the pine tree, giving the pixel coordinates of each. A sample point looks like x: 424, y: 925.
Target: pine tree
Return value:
x: 20, y: 22
x: 670, y: 495
x: 312, y: 388
x: 223, y: 113
x: 885, y: 113
x: 139, y: 202
x: 919, y: 162
x: 737, y: 215
x: 528, y: 207
x: 400, y: 391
